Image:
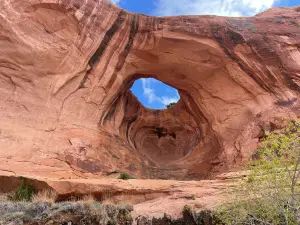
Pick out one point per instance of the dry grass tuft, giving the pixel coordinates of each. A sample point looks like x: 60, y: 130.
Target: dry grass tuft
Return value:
x: 88, y: 199
x: 48, y: 196
x: 5, y: 197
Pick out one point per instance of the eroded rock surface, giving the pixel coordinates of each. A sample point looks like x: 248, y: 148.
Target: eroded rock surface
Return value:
x: 66, y: 67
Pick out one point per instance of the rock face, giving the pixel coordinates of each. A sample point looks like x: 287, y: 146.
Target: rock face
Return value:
x: 66, y: 68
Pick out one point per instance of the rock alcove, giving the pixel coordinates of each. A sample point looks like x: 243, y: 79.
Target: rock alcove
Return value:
x: 164, y: 138
x: 167, y: 140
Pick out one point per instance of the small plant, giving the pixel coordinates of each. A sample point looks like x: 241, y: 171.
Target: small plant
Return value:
x: 125, y: 176
x: 88, y: 199
x: 297, y: 9
x: 24, y: 192
x: 170, y: 105
x: 115, y: 157
x: 162, y: 178
x: 186, y: 209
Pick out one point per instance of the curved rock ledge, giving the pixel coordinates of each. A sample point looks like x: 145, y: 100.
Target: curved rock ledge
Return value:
x: 148, y: 197
x: 66, y: 68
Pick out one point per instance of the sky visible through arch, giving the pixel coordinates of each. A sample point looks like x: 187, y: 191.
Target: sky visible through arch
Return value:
x: 154, y: 94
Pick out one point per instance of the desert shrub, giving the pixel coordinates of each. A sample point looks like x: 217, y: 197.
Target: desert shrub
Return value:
x: 12, y: 207
x: 270, y: 194
x: 63, y: 212
x: 186, y: 209
x: 24, y: 192
x: 170, y: 105
x: 17, y: 217
x: 125, y: 176
x: 297, y: 9
x: 115, y: 157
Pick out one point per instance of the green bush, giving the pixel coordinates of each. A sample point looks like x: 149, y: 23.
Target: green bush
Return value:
x: 271, y: 193
x: 125, y: 176
x: 24, y: 192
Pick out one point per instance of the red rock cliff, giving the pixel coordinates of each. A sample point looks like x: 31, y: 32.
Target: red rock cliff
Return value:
x: 66, y: 67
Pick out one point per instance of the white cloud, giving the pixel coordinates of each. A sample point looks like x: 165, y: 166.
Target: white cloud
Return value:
x: 167, y: 100
x: 212, y: 7
x: 116, y: 2
x: 149, y: 93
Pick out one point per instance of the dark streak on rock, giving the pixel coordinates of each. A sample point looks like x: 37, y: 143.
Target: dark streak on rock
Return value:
x: 235, y: 37
x: 290, y: 82
x: 107, y: 38
x: 111, y: 111
x: 285, y: 103
x: 265, y: 50
x: 228, y: 50
x: 99, y: 52
x: 133, y: 31
x: 84, y: 79
x: 134, y: 27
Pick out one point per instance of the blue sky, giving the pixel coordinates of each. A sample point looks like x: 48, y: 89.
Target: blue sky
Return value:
x: 155, y: 94
x: 201, y: 7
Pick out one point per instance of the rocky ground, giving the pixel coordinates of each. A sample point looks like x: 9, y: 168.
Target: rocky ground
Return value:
x: 149, y: 198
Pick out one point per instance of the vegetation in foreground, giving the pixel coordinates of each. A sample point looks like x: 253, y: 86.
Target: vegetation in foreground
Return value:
x: 43, y: 210
x: 271, y: 193
x: 24, y: 192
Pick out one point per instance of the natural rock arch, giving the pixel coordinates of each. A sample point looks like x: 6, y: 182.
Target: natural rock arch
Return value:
x: 68, y: 112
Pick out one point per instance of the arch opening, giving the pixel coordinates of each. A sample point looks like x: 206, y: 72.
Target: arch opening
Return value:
x: 155, y: 94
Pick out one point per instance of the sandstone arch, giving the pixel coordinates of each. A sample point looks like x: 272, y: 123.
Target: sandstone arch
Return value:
x: 66, y: 107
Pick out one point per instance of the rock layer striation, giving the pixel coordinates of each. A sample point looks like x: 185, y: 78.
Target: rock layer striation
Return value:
x: 66, y: 68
